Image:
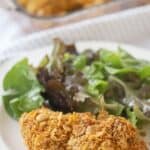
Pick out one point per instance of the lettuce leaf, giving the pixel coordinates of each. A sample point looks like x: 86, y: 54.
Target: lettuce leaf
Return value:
x: 142, y: 118
x: 112, y: 106
x: 96, y: 105
x: 97, y: 87
x: 80, y: 62
x: 145, y: 72
x: 21, y: 79
x: 136, y: 116
x: 111, y: 58
x: 131, y: 115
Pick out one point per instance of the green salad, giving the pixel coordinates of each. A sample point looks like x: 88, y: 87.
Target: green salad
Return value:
x: 84, y: 82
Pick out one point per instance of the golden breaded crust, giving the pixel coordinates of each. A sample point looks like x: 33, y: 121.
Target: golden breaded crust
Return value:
x: 109, y: 133
x: 43, y: 129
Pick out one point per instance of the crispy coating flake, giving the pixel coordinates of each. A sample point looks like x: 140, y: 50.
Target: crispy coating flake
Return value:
x: 43, y: 129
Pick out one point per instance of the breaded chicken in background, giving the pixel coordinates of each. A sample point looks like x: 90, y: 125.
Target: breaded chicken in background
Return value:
x: 55, y: 7
x: 43, y: 129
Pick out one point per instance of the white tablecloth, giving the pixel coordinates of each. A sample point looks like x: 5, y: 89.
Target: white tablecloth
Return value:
x: 9, y: 29
x: 12, y: 26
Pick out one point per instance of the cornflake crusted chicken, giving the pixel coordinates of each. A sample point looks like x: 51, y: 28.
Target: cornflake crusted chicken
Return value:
x: 43, y: 129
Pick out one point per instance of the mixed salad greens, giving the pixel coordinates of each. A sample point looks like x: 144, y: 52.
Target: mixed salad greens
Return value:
x: 89, y: 81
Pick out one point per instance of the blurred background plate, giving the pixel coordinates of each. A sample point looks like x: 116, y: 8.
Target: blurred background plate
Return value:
x: 128, y: 27
x: 32, y: 23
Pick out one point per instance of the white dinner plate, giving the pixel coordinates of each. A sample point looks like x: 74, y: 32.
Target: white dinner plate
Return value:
x: 10, y: 138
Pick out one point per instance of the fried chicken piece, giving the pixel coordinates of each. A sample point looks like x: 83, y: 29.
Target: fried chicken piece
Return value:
x: 55, y: 7
x: 108, y: 133
x: 43, y: 129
